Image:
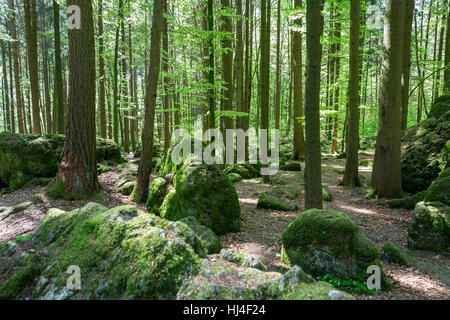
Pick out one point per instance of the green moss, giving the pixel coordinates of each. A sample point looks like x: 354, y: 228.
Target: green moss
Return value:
x: 430, y: 227
x: 267, y: 201
x: 241, y: 170
x: 156, y: 194
x: 440, y: 106
x: 234, y: 177
x: 19, y: 278
x: 206, y: 193
x: 326, y: 194
x: 291, y: 166
x: 55, y: 190
x: 127, y: 188
x: 327, y: 242
x: 406, y: 202
x: 392, y: 253
x: 439, y: 190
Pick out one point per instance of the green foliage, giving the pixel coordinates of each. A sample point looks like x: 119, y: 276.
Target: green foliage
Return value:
x: 349, y: 285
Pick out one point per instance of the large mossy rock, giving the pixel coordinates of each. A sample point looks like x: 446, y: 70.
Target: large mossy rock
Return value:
x: 252, y: 284
x: 156, y: 195
x: 430, y: 227
x: 205, y: 192
x: 439, y: 190
x: 121, y: 254
x: 24, y: 157
x: 328, y: 242
x: 423, y: 145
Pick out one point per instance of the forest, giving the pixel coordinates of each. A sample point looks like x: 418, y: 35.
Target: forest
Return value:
x: 225, y: 150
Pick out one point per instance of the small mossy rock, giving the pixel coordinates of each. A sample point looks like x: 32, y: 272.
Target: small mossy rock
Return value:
x: 440, y: 106
x: 24, y: 157
x: 430, y: 227
x: 267, y: 201
x: 291, y: 166
x: 209, y: 239
x: 166, y: 166
x: 392, y: 253
x: 156, y: 195
x: 422, y: 147
x: 234, y: 177
x: 366, y: 163
x: 122, y: 253
x: 205, y: 192
x: 127, y: 188
x: 326, y: 194
x: 407, y: 202
x: 241, y: 170
x: 252, y: 284
x: 242, y: 259
x: 108, y: 150
x: 327, y: 242
x: 439, y: 190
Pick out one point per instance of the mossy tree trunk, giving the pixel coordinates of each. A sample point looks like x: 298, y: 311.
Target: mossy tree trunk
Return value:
x: 386, y: 175
x: 77, y: 173
x: 145, y: 165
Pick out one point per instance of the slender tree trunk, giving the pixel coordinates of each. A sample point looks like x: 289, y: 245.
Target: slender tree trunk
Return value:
x: 48, y: 102
x: 278, y: 68
x: 11, y: 88
x: 313, y: 175
x: 15, y: 50
x: 101, y: 71
x: 265, y: 68
x: 124, y: 99
x: 336, y: 78
x: 297, y: 61
x: 409, y: 12
x: 33, y: 68
x: 239, y: 65
x: 77, y: 174
x: 7, y: 113
x: 351, y: 175
x: 59, y: 101
x: 386, y: 175
x: 165, y: 44
x: 133, y: 92
x: 115, y: 78
x: 447, y: 56
x: 145, y: 165
x: 227, y: 65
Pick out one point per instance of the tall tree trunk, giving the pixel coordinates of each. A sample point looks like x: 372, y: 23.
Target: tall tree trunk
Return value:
x: 115, y: 78
x: 11, y: 88
x: 227, y: 65
x: 336, y: 78
x: 48, y: 103
x: 124, y: 98
x: 145, y: 165
x: 313, y: 175
x: 409, y: 12
x: 211, y: 80
x: 239, y: 65
x: 77, y: 173
x: 265, y: 67
x: 133, y: 92
x: 33, y: 68
x: 165, y: 44
x: 101, y: 73
x: 299, y: 139
x: 15, y: 50
x: 386, y: 175
x: 351, y: 175
x: 7, y: 113
x: 447, y: 56
x: 59, y: 102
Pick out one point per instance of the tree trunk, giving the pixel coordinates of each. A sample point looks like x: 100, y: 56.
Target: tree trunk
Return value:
x: 77, y: 174
x: 145, y: 166
x: 299, y: 139
x: 33, y: 68
x: 313, y: 175
x: 351, y: 175
x: 165, y: 44
x: 227, y: 66
x: 59, y: 101
x: 101, y: 73
x: 447, y: 56
x: 409, y: 11
x: 16, y: 67
x: 386, y: 175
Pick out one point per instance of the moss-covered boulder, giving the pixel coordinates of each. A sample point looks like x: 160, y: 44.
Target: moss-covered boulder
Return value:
x: 430, y: 227
x: 209, y: 239
x: 24, y: 157
x: 392, y: 253
x: 121, y: 253
x: 328, y: 242
x: 242, y: 259
x: 408, y: 202
x: 126, y: 188
x: 291, y: 166
x: 439, y: 190
x: 440, y: 106
x: 234, y: 177
x: 244, y: 171
x: 326, y: 194
x: 270, y: 201
x: 422, y: 147
x: 205, y: 192
x: 253, y: 284
x: 156, y: 195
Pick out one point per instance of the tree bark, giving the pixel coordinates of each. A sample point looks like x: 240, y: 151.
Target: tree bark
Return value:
x: 59, y: 102
x: 145, y: 166
x: 77, y: 174
x: 101, y: 73
x: 15, y: 50
x: 386, y: 175
x: 313, y: 175
x: 409, y: 12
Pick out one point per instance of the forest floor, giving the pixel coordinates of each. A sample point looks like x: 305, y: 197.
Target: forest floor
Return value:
x: 262, y: 229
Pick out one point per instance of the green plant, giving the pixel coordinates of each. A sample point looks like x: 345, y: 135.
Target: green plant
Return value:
x: 349, y: 285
